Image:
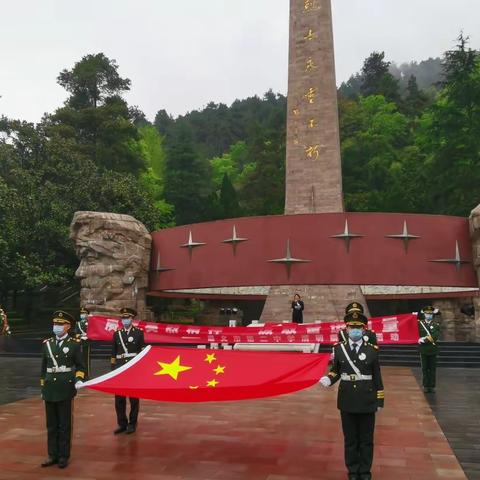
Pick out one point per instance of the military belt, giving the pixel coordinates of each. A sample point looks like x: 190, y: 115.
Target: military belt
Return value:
x: 354, y: 378
x: 127, y: 355
x: 61, y: 369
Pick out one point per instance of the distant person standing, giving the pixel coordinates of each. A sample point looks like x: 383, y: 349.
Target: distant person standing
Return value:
x: 297, y: 309
x: 429, y: 332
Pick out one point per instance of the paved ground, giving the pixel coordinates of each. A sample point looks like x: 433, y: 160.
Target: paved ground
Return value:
x: 294, y: 437
x: 456, y: 406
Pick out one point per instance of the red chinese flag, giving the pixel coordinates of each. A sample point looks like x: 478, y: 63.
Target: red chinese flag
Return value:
x: 199, y: 375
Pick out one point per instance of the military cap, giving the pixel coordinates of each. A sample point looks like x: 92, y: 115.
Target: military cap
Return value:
x: 62, y: 317
x: 128, y: 312
x: 84, y: 310
x: 354, y: 307
x: 429, y: 309
x: 355, y: 319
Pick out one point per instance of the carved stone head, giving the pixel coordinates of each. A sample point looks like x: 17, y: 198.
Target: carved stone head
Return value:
x: 114, y: 253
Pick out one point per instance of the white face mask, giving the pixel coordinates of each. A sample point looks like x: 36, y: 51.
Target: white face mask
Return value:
x: 355, y: 334
x: 127, y: 322
x: 83, y: 316
x: 58, y: 330
x: 428, y: 317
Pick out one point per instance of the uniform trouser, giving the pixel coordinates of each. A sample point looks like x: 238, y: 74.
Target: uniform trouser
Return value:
x: 86, y: 356
x: 59, y: 428
x: 429, y: 370
x: 358, y: 429
x: 121, y: 409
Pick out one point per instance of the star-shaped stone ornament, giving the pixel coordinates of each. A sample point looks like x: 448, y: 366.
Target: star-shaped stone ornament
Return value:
x: 347, y: 236
x: 288, y: 260
x: 235, y: 240
x: 405, y: 236
x: 457, y: 260
x: 191, y: 245
x: 159, y: 268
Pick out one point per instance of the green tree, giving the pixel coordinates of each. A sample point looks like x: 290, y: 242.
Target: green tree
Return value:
x: 263, y: 191
x: 416, y: 100
x: 43, y: 181
x: 186, y: 177
x: 153, y: 151
x: 92, y: 81
x: 373, y: 138
x: 377, y: 80
x: 163, y: 122
x: 449, y: 136
x: 234, y: 163
x: 97, y: 117
x: 229, y: 206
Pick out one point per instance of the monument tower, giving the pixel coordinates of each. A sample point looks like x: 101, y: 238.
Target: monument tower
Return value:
x: 314, y: 171
x: 313, y: 181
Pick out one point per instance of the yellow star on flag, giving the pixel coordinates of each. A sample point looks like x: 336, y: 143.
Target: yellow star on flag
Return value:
x: 210, y: 358
x: 212, y: 383
x: 219, y: 370
x: 172, y: 369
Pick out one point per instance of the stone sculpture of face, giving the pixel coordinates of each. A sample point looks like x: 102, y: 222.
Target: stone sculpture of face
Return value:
x: 112, y: 263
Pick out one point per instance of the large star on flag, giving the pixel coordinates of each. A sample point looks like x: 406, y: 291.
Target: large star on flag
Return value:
x: 172, y: 369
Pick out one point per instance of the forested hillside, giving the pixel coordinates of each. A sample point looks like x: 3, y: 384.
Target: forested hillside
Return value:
x: 410, y: 139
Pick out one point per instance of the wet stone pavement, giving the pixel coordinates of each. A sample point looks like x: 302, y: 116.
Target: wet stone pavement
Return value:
x: 291, y: 437
x: 456, y: 406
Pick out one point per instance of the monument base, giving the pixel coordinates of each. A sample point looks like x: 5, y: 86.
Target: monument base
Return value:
x: 324, y: 303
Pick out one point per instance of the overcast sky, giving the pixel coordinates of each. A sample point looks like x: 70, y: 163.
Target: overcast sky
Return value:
x: 181, y: 54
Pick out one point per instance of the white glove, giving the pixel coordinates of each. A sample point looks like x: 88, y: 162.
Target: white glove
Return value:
x: 325, y: 381
x: 379, y: 409
x: 421, y: 340
x: 79, y: 385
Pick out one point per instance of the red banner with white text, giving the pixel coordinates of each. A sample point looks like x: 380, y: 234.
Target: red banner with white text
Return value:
x: 391, y: 330
x: 200, y: 375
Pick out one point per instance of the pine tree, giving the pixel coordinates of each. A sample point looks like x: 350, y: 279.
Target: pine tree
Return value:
x: 229, y: 205
x: 416, y: 100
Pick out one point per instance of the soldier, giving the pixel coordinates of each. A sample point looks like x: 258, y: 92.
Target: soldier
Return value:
x: 369, y: 335
x: 81, y: 334
x: 62, y: 373
x: 360, y: 395
x: 127, y: 344
x: 429, y: 331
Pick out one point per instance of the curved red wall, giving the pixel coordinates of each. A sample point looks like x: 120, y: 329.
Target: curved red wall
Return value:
x: 373, y: 259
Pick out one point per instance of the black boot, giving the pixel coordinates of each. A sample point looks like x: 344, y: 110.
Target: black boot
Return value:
x: 62, y: 462
x: 119, y: 430
x: 49, y: 462
x: 131, y: 428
